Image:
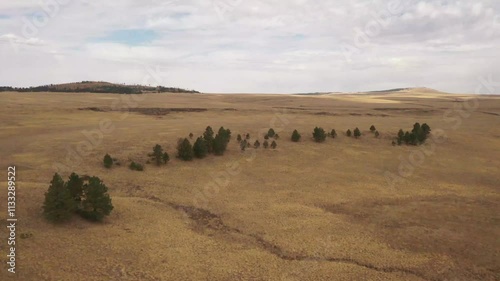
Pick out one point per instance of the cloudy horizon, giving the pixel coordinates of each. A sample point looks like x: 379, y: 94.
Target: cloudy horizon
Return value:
x: 252, y: 46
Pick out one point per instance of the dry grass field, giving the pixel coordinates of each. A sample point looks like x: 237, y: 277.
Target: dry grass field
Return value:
x: 304, y: 211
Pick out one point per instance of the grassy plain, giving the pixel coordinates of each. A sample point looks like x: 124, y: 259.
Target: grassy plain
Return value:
x: 305, y: 211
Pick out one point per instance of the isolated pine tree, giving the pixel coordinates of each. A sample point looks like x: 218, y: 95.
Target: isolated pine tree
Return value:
x: 348, y: 133
x: 357, y: 133
x: 108, y: 161
x: 200, y: 148
x: 333, y: 134
x: 372, y: 129
x: 96, y: 202
x: 295, y: 136
x: 136, y: 166
x: 274, y: 145
x: 59, y: 203
x: 185, y: 150
x: 319, y: 134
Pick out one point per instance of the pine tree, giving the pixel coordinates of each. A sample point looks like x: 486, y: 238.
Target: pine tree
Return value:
x: 185, y: 150
x: 165, y: 157
x: 256, y: 144
x: 296, y: 136
x: 357, y: 133
x: 136, y: 166
x: 238, y: 138
x: 200, y: 148
x: 59, y: 203
x: 377, y: 134
x: 401, y: 135
x: 271, y: 133
x: 273, y: 145
x: 348, y: 133
x: 157, y: 155
x: 372, y: 129
x: 220, y: 144
x: 276, y: 136
x: 75, y: 186
x: 243, y: 145
x: 191, y: 135
x: 426, y: 129
x: 108, y: 161
x: 96, y: 203
x: 208, y: 135
x: 319, y: 134
x: 247, y: 136
x: 265, y: 144
x: 333, y: 134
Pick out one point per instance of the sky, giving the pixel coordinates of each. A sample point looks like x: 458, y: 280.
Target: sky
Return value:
x: 250, y: 46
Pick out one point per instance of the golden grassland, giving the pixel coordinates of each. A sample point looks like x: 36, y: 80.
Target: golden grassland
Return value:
x: 305, y: 211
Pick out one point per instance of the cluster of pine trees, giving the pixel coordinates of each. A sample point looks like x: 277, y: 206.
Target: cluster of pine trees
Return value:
x: 85, y: 196
x: 244, y: 140
x: 417, y: 136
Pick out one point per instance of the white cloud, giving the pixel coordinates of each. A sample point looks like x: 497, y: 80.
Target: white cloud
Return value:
x: 257, y: 46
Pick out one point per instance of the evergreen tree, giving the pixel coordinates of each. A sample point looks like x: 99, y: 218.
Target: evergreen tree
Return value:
x: 357, y: 133
x: 276, y: 136
x: 271, y: 133
x: 265, y: 144
x: 273, y: 145
x: 220, y: 144
x: 296, y: 136
x: 157, y: 155
x: 333, y: 134
x: 348, y: 133
x: 377, y: 134
x: 191, y: 135
x: 96, y: 203
x: 266, y: 137
x: 319, y: 134
x: 185, y: 150
x: 372, y: 129
x: 426, y: 129
x: 256, y: 144
x: 238, y: 138
x: 59, y: 203
x: 248, y: 136
x: 136, y: 166
x: 165, y: 157
x: 208, y: 135
x: 200, y: 148
x: 108, y: 161
x: 243, y: 145
x: 75, y: 186
x: 401, y: 135
x: 225, y: 134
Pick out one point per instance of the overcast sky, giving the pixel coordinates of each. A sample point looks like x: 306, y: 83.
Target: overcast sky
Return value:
x: 252, y: 45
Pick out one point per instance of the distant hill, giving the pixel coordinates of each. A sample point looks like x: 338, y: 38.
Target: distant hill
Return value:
x: 389, y: 91
x: 98, y: 87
